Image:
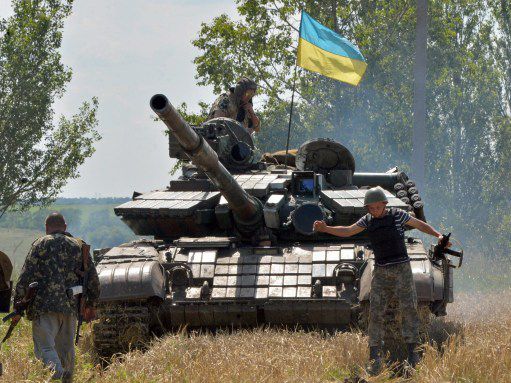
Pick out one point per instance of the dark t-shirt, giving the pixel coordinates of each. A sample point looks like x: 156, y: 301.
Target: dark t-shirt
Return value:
x: 401, y: 217
x: 392, y: 249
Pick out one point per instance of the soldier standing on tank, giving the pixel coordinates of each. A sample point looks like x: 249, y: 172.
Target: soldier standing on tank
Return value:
x: 237, y: 104
x: 392, y: 273
x: 53, y: 262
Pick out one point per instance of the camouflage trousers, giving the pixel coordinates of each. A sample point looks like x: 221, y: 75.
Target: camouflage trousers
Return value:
x: 387, y: 282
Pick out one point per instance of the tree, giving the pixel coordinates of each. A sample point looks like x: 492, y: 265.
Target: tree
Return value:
x: 467, y: 130
x: 501, y: 179
x: 263, y: 46
x: 502, y: 14
x: 37, y: 155
x: 465, y: 98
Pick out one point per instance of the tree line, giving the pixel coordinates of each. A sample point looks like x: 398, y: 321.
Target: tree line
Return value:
x: 90, y: 219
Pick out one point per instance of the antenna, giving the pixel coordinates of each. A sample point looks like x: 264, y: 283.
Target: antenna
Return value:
x: 290, y: 117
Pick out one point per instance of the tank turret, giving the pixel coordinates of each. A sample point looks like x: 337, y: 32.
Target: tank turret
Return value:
x: 247, y: 210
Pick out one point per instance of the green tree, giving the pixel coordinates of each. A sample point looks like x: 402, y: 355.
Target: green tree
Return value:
x: 263, y: 46
x: 467, y: 127
x: 37, y: 155
x: 466, y: 124
x: 501, y: 179
x: 501, y: 10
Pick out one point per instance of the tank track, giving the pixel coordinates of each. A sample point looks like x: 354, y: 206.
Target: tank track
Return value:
x: 121, y: 327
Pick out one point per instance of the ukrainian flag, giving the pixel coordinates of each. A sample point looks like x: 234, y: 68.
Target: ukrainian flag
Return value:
x: 323, y: 51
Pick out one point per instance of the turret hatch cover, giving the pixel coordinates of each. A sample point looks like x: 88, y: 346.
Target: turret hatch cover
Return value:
x: 323, y: 155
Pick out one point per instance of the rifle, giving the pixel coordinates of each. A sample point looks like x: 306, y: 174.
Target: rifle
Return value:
x: 440, y: 250
x: 19, y: 309
x: 83, y: 312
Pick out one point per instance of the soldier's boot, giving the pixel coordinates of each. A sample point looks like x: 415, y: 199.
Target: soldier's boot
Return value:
x: 411, y: 360
x: 67, y: 377
x: 57, y: 375
x: 374, y: 367
x: 413, y: 356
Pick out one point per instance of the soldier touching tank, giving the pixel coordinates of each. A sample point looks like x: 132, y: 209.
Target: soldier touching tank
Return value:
x: 55, y: 262
x: 237, y: 104
x: 392, y: 272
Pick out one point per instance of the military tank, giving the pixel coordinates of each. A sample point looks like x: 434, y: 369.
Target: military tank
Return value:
x: 232, y: 243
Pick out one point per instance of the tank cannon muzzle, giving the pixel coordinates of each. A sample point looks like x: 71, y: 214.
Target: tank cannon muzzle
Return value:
x: 247, y: 211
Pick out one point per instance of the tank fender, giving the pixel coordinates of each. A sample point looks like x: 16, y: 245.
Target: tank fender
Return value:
x: 131, y: 280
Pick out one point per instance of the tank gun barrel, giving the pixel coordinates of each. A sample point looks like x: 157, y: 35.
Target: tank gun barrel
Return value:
x: 246, y: 209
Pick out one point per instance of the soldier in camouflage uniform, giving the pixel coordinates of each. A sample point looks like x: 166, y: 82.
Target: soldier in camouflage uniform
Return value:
x: 392, y: 273
x: 53, y: 262
x: 237, y: 104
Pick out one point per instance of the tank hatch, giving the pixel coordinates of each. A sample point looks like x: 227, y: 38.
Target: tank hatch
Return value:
x: 323, y: 156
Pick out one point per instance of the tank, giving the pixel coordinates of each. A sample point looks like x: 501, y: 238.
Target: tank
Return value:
x: 231, y: 242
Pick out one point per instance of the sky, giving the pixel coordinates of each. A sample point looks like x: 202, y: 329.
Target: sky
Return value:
x: 123, y: 52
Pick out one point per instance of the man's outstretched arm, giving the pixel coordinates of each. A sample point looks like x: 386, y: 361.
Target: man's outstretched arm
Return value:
x: 425, y: 228
x: 338, y: 231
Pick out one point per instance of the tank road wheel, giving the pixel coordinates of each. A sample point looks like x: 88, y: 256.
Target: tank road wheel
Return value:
x: 120, y: 328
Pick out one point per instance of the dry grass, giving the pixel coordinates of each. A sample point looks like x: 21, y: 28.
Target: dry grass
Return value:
x: 479, y: 352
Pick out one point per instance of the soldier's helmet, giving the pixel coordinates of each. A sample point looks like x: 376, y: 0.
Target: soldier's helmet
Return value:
x: 245, y: 83
x: 242, y: 86
x: 375, y: 194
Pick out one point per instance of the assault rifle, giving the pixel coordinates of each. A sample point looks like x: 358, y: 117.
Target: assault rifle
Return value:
x: 440, y: 250
x: 19, y: 309
x: 84, y: 313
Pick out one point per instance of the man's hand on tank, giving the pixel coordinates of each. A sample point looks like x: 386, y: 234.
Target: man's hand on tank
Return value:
x: 319, y: 226
x: 449, y: 244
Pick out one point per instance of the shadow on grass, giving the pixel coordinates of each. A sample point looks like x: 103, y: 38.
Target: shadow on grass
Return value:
x: 442, y: 331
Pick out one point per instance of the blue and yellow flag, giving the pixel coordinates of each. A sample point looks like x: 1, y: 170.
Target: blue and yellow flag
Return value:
x: 323, y: 51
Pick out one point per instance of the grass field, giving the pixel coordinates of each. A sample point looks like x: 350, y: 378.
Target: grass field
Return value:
x: 479, y: 351
x: 16, y: 243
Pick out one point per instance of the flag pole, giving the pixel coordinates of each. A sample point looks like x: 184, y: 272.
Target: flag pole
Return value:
x: 290, y: 116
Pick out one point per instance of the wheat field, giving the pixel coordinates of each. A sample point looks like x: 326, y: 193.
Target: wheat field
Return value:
x: 477, y: 350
